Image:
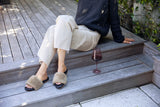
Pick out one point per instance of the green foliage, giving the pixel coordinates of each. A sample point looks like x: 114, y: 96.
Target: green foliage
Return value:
x: 149, y: 29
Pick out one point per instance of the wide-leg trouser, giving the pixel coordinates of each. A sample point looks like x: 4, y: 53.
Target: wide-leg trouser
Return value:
x: 66, y: 34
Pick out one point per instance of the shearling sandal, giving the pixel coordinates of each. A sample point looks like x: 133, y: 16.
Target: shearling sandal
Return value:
x: 60, y: 77
x: 35, y: 83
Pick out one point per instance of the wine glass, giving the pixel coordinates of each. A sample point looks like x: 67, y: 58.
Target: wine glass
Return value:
x: 96, y: 56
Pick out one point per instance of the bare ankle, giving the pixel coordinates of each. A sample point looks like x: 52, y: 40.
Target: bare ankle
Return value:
x: 62, y: 68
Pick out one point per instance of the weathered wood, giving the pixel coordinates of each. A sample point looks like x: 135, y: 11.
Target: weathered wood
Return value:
x: 31, y: 15
x: 150, y: 49
x: 41, y: 8
x: 0, y: 53
x: 65, y: 6
x: 55, y: 7
x: 26, y: 52
x: 156, y: 79
x: 30, y: 24
x: 72, y: 62
x: 28, y: 35
x: 50, y: 13
x: 146, y: 59
x: 156, y: 65
x: 79, y: 90
x: 109, y: 63
x: 107, y: 56
x: 14, y: 44
x: 76, y: 74
x: 37, y: 13
x: 5, y: 47
x: 50, y: 7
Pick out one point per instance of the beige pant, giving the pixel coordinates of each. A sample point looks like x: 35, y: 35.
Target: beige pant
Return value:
x: 66, y: 34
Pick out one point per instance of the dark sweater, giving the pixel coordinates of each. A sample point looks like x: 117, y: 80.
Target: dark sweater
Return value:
x: 100, y: 15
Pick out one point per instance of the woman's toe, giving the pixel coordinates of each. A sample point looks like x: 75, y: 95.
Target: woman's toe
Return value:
x: 28, y: 86
x: 58, y: 83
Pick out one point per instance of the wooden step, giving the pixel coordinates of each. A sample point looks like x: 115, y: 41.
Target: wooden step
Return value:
x: 82, y: 84
x: 21, y: 70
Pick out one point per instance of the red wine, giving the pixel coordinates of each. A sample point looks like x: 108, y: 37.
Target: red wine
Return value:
x: 97, y: 57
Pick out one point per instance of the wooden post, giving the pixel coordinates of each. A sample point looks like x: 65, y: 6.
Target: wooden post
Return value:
x: 156, y: 67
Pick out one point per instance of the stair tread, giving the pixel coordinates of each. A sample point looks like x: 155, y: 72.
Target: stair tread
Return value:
x: 107, y: 46
x: 109, y: 63
x: 78, y: 80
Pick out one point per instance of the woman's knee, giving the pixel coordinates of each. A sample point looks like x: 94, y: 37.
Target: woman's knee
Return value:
x: 64, y: 18
x: 67, y: 20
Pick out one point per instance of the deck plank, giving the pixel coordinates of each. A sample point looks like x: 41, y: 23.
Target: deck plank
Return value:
x: 27, y: 11
x: 37, y: 13
x: 47, y: 10
x: 41, y: 9
x: 5, y: 47
x: 109, y: 63
x: 67, y: 6
x: 55, y: 7
x: 26, y: 51
x: 77, y: 74
x: 27, y: 33
x: 1, y: 61
x: 50, y: 7
x: 80, y: 73
x: 16, y: 51
x: 31, y: 25
x: 79, y: 86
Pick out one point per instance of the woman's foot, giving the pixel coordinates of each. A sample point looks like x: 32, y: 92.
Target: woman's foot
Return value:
x: 61, y: 68
x: 41, y: 74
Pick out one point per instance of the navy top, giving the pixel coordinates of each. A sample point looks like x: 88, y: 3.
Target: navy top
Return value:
x: 100, y: 15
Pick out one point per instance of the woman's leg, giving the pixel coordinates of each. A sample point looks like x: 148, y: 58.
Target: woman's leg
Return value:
x: 65, y: 25
x: 45, y: 54
x: 69, y: 35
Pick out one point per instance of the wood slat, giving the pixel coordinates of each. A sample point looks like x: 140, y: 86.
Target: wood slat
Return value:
x: 76, y: 74
x: 55, y: 7
x: 5, y: 47
x: 26, y: 51
x: 14, y: 44
x: 41, y: 8
x: 0, y: 53
x: 27, y: 33
x: 47, y: 10
x: 109, y: 63
x: 50, y: 7
x: 31, y: 25
x: 67, y: 6
x: 76, y: 88
x: 73, y: 62
x: 37, y: 13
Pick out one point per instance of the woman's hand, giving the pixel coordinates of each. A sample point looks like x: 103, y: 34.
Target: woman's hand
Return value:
x: 128, y: 40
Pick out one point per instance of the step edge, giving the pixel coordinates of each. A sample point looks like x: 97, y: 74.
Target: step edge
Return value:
x: 35, y: 61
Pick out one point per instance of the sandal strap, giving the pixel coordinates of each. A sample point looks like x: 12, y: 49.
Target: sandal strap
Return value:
x: 34, y: 82
x: 60, y: 77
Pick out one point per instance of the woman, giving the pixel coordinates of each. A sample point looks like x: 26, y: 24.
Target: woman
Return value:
x: 93, y: 20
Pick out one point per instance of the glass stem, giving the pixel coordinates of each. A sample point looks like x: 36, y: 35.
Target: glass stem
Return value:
x: 96, y: 64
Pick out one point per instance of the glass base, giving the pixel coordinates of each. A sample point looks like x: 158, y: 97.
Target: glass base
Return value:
x: 96, y: 71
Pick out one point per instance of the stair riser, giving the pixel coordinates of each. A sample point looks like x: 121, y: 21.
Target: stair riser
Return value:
x: 94, y: 92
x: 23, y: 74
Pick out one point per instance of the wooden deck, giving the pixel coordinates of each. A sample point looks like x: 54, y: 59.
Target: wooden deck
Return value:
x: 23, y: 25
